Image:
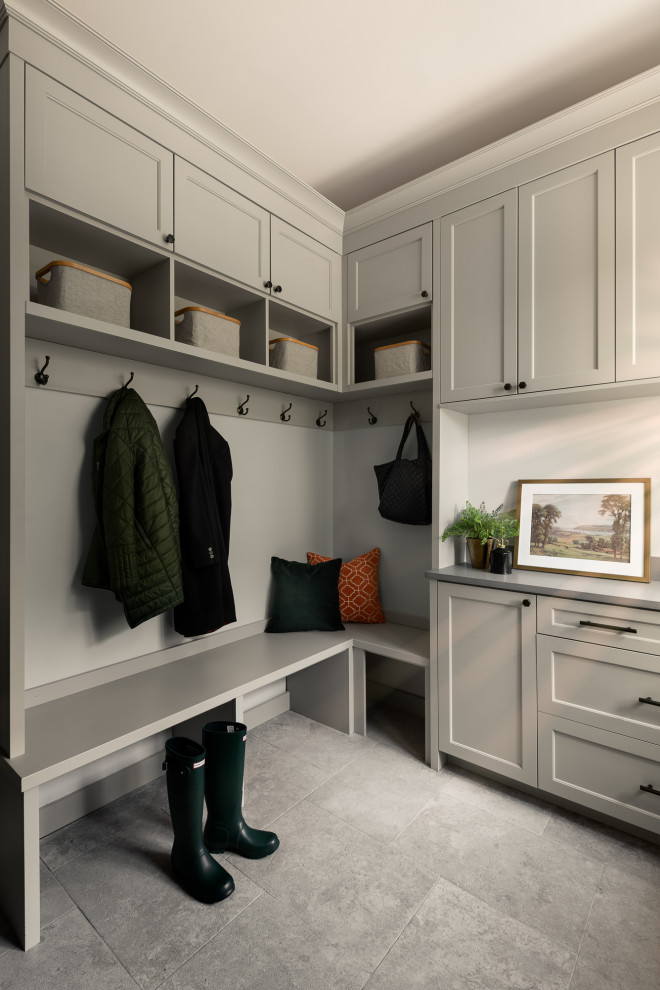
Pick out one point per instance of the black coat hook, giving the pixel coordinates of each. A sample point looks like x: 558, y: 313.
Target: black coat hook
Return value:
x: 414, y: 410
x: 126, y: 384
x: 318, y: 421
x: 283, y: 416
x: 241, y: 410
x: 372, y: 419
x: 195, y: 391
x: 40, y: 378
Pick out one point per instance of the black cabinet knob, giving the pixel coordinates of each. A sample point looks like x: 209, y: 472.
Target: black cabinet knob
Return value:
x: 526, y: 602
x: 424, y: 293
x: 507, y: 387
x: 522, y: 384
x: 268, y: 284
x: 278, y: 288
x: 169, y: 239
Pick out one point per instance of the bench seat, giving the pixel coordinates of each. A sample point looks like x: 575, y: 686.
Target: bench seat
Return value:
x: 325, y: 673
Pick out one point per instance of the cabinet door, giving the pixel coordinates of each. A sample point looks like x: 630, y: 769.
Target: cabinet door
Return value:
x: 391, y: 275
x: 637, y: 250
x: 487, y: 678
x: 566, y: 277
x: 220, y: 228
x: 79, y: 155
x: 478, y: 299
x: 304, y: 272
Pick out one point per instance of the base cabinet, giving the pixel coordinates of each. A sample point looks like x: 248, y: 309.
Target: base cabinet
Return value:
x: 546, y: 691
x: 487, y: 679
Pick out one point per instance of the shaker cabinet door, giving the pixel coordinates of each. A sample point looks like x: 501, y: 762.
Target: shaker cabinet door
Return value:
x: 478, y: 300
x: 80, y: 155
x: 637, y: 251
x: 389, y: 276
x: 487, y: 678
x: 304, y: 272
x: 219, y: 228
x: 566, y: 277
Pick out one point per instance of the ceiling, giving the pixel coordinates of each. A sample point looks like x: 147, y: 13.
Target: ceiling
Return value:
x: 356, y: 97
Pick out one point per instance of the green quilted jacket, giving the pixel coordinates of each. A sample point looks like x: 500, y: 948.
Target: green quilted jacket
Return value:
x: 135, y: 547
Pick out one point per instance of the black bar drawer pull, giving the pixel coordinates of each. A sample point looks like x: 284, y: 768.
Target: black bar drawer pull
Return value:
x: 650, y: 701
x: 649, y: 788
x: 604, y: 625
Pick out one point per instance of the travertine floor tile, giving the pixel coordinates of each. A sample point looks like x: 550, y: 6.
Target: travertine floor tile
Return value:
x: 352, y: 890
x: 70, y: 956
x: 128, y: 893
x: 380, y: 792
x: 310, y: 741
x: 457, y: 942
x: 269, y: 946
x: 621, y: 948
x: 541, y: 883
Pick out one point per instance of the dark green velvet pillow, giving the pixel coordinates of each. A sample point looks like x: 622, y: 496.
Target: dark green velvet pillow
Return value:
x: 304, y: 596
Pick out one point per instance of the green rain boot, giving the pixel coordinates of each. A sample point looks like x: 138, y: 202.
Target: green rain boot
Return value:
x: 192, y: 865
x: 225, y: 829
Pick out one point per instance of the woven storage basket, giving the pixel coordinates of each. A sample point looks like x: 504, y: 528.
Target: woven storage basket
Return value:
x: 289, y: 354
x: 79, y: 289
x: 405, y: 358
x: 203, y: 327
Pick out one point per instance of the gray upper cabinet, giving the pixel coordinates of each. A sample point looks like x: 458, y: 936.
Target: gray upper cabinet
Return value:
x: 389, y: 276
x: 478, y: 299
x: 84, y: 158
x: 638, y: 247
x: 304, y: 272
x: 551, y: 326
x: 487, y: 678
x: 566, y: 277
x: 219, y: 228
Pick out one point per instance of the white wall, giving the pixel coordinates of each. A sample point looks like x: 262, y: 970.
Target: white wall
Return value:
x: 595, y: 440
x: 405, y: 550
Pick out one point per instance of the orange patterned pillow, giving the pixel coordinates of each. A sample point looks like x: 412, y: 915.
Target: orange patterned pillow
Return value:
x: 358, y: 587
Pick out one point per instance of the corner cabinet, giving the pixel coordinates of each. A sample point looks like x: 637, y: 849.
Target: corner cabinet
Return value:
x: 487, y: 679
x: 391, y: 275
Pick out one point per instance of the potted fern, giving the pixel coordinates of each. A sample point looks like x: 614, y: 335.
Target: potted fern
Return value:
x: 481, y: 529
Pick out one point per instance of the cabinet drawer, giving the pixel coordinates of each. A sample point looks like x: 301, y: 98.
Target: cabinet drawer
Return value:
x: 609, y: 625
x: 600, y: 770
x: 599, y: 686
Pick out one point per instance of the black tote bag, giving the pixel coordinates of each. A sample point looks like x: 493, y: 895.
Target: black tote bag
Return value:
x: 404, y: 486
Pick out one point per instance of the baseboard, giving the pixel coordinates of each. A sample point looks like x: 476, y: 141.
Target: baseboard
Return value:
x: 402, y: 701
x: 267, y: 710
x: 92, y: 797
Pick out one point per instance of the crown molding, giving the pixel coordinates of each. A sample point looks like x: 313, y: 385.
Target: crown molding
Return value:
x: 606, y: 107
x: 51, y: 22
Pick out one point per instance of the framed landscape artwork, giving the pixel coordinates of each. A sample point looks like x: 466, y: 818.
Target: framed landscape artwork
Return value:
x: 593, y: 528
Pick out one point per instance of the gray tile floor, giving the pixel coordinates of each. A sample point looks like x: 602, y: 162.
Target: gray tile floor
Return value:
x: 388, y: 876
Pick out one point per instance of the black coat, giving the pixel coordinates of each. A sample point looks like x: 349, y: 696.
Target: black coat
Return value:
x: 204, y: 471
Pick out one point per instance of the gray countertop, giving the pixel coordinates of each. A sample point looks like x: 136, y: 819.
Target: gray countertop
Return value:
x: 630, y: 594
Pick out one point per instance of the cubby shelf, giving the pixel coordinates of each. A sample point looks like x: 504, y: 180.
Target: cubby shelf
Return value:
x: 48, y: 324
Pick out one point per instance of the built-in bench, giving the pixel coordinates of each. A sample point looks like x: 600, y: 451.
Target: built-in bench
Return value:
x: 325, y: 676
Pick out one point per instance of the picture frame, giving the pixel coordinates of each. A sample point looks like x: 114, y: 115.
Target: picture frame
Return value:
x: 591, y: 527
